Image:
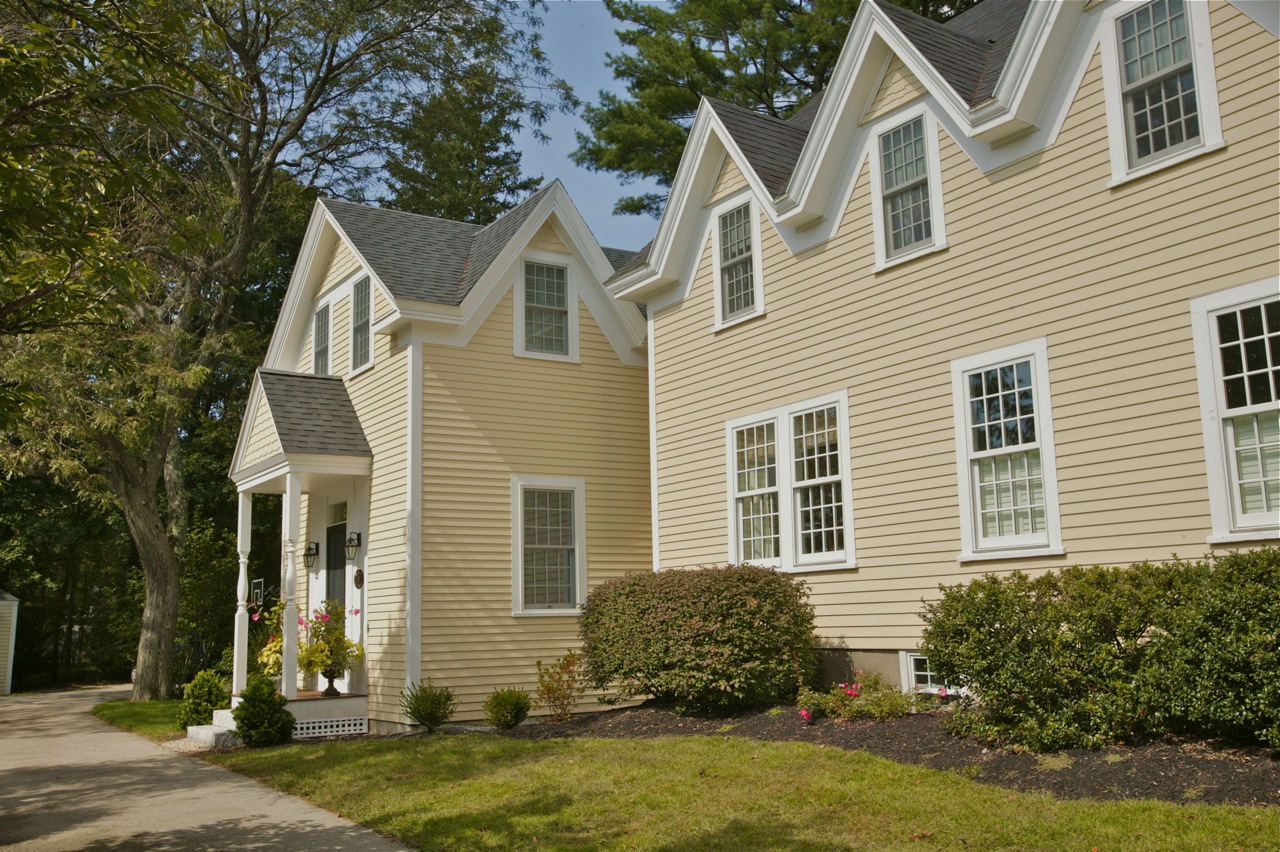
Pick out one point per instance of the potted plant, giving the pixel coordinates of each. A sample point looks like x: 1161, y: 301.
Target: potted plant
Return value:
x: 326, y: 649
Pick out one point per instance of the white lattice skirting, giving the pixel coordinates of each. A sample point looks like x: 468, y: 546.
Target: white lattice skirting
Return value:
x: 330, y: 727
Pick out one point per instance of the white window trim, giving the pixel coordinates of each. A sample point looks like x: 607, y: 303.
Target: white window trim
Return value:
x: 330, y: 298
x: 936, y: 216
x: 325, y: 307
x: 1037, y: 351
x: 757, y: 265
x: 1206, y: 94
x: 788, y: 543
x: 576, y: 484
x: 906, y: 672
x: 351, y: 326
x: 1221, y: 503
x: 571, y: 303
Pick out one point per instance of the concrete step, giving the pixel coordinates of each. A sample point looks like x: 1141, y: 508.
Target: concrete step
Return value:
x: 224, y: 719
x: 212, y: 735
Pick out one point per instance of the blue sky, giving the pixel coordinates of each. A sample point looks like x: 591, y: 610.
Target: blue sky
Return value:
x: 576, y: 35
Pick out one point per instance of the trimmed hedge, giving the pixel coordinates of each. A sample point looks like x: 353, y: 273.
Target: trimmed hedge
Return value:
x: 708, y: 640
x: 1084, y: 656
x: 208, y: 691
x: 261, y: 717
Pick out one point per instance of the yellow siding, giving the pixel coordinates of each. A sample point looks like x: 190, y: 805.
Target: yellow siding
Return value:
x: 380, y: 396
x: 488, y: 415
x: 548, y: 240
x: 1039, y: 249
x: 343, y: 263
x: 899, y: 88
x: 731, y: 180
x: 263, y: 440
x: 381, y: 307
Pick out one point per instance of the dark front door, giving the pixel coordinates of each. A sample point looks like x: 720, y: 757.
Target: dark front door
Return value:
x: 335, y: 563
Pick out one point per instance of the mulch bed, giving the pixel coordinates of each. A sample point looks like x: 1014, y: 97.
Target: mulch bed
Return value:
x: 1171, y: 769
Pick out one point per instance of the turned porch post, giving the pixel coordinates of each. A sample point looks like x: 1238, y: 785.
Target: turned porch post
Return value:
x: 289, y: 626
x: 240, y: 667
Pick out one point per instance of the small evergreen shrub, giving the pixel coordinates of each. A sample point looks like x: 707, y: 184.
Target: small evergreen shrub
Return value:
x: 261, y: 719
x: 1214, y: 662
x: 208, y: 691
x: 427, y: 705
x: 870, y: 697
x: 506, y: 708
x: 708, y: 641
x: 1051, y: 661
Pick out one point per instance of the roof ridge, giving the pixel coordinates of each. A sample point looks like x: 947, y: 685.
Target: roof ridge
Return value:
x: 392, y: 211
x: 782, y: 122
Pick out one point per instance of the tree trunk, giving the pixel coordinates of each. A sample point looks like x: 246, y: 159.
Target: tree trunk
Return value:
x: 153, y: 669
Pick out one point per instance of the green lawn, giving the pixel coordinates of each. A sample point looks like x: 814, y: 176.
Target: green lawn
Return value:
x: 155, y: 720
x: 487, y: 792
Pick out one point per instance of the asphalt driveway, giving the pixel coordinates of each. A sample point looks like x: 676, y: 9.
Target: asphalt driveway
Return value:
x: 69, y: 781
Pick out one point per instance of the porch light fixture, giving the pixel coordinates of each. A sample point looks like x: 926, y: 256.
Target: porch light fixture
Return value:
x: 352, y: 546
x: 309, y: 555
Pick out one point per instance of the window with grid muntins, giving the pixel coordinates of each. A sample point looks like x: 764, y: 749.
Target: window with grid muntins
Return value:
x: 1249, y: 363
x: 756, y: 469
x: 819, y: 498
x: 1161, y: 110
x: 549, y: 549
x: 546, y: 309
x: 905, y: 186
x: 922, y: 678
x: 320, y: 343
x: 1004, y: 452
x: 737, y: 272
x: 360, y: 324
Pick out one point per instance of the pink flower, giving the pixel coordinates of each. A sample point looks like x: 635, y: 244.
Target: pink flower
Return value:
x: 353, y: 611
x: 942, y: 690
x: 806, y: 715
x: 324, y: 616
x: 302, y: 621
x: 255, y: 616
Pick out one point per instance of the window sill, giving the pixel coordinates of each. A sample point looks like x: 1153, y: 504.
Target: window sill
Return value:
x: 548, y: 613
x: 912, y: 255
x: 363, y: 368
x: 1165, y: 163
x: 738, y: 320
x: 813, y: 569
x: 549, y: 356
x: 1245, y: 535
x: 1019, y: 553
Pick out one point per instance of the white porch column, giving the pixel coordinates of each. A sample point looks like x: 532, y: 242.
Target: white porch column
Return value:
x: 240, y: 668
x: 289, y: 629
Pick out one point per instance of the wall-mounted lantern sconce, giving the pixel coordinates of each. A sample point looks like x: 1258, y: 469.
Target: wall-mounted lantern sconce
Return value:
x: 309, y: 555
x: 352, y: 546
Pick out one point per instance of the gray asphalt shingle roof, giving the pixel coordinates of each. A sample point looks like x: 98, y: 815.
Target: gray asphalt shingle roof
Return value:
x: 969, y: 50
x: 313, y: 414
x: 424, y: 258
x: 770, y: 144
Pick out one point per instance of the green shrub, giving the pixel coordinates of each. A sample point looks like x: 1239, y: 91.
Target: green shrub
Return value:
x: 560, y: 685
x: 1214, y: 662
x: 506, y: 708
x: 208, y: 691
x: 261, y: 719
x: 709, y: 640
x: 1052, y: 662
x: 870, y: 697
x: 427, y: 705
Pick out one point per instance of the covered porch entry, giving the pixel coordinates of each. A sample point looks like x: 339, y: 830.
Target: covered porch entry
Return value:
x: 304, y: 441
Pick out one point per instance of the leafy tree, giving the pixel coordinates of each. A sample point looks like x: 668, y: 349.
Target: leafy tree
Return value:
x: 767, y: 55
x: 284, y: 91
x: 456, y: 159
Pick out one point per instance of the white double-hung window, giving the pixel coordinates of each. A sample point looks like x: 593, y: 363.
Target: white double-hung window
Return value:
x: 1005, y: 455
x: 320, y: 342
x: 1237, y: 342
x: 548, y: 544
x: 736, y: 245
x: 1161, y: 86
x: 361, y: 338
x: 907, y: 183
x: 788, y: 475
